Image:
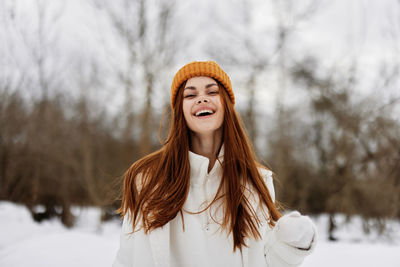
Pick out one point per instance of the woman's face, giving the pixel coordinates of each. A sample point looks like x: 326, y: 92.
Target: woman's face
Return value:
x: 202, y: 105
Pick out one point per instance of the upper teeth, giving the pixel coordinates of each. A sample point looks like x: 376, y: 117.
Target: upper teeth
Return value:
x: 203, y: 111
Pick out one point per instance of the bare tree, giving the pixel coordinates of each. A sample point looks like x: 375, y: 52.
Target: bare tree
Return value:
x: 349, y: 147
x: 145, y: 29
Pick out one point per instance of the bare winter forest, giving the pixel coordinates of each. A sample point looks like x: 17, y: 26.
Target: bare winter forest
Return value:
x: 84, y: 92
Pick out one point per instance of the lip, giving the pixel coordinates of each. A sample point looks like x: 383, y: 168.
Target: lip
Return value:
x: 203, y: 108
x: 204, y: 117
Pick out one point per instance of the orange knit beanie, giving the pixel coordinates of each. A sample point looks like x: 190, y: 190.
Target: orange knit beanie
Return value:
x: 201, y: 68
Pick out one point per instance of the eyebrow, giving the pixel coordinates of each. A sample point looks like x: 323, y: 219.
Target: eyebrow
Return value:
x: 194, y: 88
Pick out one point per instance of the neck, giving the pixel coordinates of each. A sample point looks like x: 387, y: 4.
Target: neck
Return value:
x: 207, y: 145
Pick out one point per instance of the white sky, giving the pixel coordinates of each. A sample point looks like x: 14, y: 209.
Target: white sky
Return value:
x: 337, y: 33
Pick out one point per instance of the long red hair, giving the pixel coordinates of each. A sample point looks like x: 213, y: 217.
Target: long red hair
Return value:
x: 156, y: 187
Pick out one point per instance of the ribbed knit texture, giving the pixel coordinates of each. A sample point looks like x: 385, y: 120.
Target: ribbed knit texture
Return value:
x: 201, y: 68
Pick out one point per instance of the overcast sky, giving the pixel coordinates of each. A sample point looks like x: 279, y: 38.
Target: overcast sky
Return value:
x: 337, y: 32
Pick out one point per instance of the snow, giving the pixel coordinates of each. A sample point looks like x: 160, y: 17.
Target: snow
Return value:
x: 353, y: 254
x: 24, y: 242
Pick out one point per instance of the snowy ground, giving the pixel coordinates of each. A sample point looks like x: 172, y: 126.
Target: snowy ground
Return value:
x: 26, y: 243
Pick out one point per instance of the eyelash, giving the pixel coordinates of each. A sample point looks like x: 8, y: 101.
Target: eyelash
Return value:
x: 210, y: 93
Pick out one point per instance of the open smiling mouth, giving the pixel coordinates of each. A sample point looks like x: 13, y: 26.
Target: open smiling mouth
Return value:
x: 204, y: 113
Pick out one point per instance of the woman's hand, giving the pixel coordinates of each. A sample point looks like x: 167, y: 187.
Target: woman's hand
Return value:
x: 296, y: 230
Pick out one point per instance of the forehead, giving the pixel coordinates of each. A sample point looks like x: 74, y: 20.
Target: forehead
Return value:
x: 200, y: 81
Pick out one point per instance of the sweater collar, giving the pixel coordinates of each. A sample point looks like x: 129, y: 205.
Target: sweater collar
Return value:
x: 199, y: 167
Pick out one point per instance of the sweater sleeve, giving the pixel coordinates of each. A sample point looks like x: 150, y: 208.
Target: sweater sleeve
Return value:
x: 123, y: 258
x: 276, y: 252
x: 134, y: 249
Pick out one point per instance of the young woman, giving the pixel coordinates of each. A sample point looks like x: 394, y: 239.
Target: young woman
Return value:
x: 203, y: 199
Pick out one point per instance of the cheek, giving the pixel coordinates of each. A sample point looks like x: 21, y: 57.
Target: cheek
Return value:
x: 221, y: 118
x: 186, y: 110
x: 221, y: 109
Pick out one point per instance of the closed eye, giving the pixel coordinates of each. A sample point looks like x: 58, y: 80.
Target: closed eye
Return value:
x: 213, y: 93
x: 189, y: 96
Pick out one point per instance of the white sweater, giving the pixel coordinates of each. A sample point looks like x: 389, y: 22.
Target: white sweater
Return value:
x: 203, y: 243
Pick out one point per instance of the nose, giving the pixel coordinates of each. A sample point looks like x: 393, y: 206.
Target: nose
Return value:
x: 202, y: 99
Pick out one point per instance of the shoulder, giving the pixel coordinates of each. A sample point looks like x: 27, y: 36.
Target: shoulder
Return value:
x: 266, y: 174
x: 140, y: 180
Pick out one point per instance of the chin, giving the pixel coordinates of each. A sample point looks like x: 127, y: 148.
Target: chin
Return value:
x: 205, y: 130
